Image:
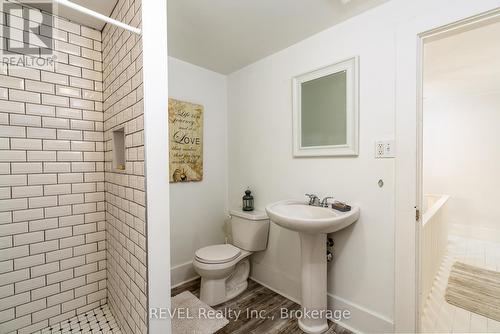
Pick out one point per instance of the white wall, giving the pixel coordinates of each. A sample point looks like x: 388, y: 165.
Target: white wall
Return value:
x: 461, y: 117
x: 361, y: 277
x: 155, y: 80
x: 461, y: 157
x: 199, y: 209
x: 260, y: 121
x: 52, y: 205
x: 123, y: 60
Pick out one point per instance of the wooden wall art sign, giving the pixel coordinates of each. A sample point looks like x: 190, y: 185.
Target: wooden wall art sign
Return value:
x: 186, y: 141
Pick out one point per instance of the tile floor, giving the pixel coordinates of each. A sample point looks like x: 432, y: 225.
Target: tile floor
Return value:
x: 441, y: 317
x: 97, y: 321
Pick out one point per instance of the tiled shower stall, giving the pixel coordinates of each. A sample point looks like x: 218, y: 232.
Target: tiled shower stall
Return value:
x: 72, y: 224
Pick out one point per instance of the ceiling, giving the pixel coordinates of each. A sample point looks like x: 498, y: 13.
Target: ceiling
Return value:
x: 464, y: 62
x: 226, y: 35
x: 101, y: 6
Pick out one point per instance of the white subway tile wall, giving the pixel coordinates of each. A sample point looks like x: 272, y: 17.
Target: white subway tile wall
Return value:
x: 52, y: 211
x: 125, y: 208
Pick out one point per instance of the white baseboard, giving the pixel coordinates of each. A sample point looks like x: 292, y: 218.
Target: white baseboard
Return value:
x: 182, y: 273
x: 362, y: 320
x: 475, y: 232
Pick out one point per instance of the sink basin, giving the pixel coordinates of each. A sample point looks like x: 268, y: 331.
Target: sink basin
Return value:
x: 313, y: 223
x: 301, y: 217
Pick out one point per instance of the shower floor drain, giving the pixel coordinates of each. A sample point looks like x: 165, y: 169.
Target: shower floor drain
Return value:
x: 97, y: 321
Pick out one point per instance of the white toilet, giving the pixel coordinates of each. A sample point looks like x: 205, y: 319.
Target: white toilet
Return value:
x: 224, y: 268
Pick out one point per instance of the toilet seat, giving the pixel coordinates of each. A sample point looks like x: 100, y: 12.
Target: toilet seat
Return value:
x: 217, y: 254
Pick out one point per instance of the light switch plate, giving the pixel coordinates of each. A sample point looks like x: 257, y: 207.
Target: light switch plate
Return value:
x: 385, y: 149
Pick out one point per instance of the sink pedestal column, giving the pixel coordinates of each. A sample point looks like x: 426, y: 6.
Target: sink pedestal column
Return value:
x: 314, y: 276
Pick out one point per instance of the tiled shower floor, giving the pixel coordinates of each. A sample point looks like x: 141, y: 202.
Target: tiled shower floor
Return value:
x: 97, y: 321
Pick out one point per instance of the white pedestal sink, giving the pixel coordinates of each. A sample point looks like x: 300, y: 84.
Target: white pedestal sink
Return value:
x: 313, y: 223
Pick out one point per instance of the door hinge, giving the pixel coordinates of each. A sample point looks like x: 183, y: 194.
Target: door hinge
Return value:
x: 417, y: 214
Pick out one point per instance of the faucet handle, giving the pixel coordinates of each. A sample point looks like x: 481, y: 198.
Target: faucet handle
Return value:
x: 324, y: 202
x: 312, y: 198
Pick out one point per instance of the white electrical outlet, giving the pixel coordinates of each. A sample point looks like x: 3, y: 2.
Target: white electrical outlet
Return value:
x: 379, y: 149
x: 385, y: 149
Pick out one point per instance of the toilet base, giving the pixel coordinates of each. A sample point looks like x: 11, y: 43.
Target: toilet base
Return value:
x: 217, y: 291
x: 235, y: 291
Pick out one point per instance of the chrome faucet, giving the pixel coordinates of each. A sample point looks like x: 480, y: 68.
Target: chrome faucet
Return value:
x: 324, y: 202
x: 314, y: 200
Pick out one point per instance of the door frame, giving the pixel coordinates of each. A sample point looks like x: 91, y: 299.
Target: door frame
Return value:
x: 409, y: 197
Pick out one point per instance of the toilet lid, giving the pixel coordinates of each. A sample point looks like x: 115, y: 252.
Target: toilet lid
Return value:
x: 217, y: 253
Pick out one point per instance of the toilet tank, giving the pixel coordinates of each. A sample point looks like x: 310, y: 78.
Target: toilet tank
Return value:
x: 250, y: 229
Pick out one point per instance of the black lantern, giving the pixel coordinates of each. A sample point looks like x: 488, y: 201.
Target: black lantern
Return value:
x: 248, y: 201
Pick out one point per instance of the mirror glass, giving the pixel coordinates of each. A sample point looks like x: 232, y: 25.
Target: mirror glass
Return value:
x: 323, y: 115
x: 325, y: 111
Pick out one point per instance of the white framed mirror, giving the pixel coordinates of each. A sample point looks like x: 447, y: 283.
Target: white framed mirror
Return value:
x: 325, y: 111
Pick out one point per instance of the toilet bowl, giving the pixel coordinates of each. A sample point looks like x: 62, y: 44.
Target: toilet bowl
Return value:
x: 224, y: 268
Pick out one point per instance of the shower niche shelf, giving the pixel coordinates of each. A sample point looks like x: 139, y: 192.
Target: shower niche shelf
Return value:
x: 119, y: 150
